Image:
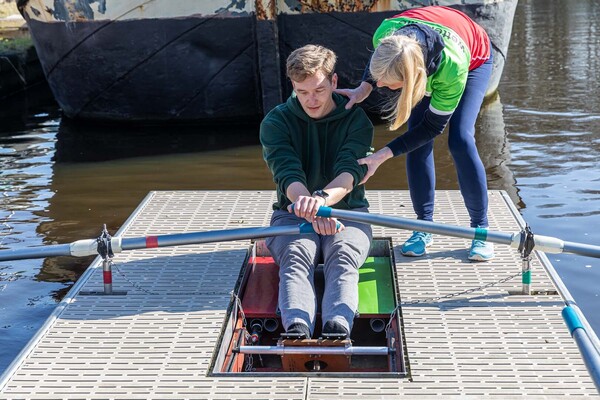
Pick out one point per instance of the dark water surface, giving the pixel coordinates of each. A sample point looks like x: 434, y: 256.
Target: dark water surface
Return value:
x: 540, y: 141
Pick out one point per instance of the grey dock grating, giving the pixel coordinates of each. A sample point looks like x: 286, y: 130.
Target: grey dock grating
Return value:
x: 157, y: 341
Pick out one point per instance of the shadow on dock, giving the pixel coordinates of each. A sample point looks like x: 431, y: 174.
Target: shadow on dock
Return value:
x: 176, y: 283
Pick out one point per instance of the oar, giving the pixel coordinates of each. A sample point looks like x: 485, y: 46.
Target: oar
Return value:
x: 516, y: 240
x: 584, y: 336
x: 88, y: 247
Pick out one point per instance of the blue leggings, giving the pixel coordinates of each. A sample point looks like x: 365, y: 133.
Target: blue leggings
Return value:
x: 461, y: 142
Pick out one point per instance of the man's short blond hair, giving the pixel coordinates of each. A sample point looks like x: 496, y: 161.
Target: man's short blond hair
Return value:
x: 309, y: 59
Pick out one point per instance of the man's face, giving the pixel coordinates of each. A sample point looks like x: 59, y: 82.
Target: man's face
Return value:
x: 315, y: 94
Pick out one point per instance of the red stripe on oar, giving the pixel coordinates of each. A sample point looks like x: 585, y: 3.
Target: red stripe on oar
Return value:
x: 107, y: 277
x: 151, y: 242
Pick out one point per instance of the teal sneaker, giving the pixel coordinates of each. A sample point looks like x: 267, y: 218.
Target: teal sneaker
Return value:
x: 481, y: 251
x: 417, y: 244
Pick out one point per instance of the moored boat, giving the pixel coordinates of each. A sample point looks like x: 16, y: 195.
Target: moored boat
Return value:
x: 196, y: 60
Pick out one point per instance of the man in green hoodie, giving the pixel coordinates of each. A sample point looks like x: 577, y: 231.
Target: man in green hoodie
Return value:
x: 311, y: 144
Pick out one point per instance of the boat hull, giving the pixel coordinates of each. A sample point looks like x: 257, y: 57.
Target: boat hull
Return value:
x: 228, y: 65
x: 166, y: 69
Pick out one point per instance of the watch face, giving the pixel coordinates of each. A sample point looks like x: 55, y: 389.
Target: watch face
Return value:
x: 321, y: 193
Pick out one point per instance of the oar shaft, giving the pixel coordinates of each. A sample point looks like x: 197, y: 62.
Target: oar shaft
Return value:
x: 582, y: 249
x: 542, y: 243
x: 35, y: 252
x: 418, y: 225
x: 180, y: 239
x: 589, y: 352
x: 88, y: 247
x: 590, y: 355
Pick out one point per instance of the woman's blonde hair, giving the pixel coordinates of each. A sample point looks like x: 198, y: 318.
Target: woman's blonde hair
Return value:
x: 399, y: 58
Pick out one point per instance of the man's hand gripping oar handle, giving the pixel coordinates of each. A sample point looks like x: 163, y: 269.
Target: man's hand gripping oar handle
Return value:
x: 324, y: 212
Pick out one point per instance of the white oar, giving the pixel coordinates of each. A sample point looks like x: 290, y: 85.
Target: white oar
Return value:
x: 516, y: 240
x: 525, y: 241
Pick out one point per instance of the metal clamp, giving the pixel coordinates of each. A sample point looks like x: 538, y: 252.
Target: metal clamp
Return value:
x: 105, y: 251
x: 527, y: 242
x: 526, y: 246
x: 104, y: 244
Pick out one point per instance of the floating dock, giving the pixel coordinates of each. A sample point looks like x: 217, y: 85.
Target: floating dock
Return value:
x: 468, y: 331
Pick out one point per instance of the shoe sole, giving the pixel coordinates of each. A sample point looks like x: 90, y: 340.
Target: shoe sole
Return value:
x: 478, y: 257
x: 413, y: 254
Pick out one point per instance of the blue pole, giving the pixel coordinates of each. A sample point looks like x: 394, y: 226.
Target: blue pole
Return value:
x: 589, y: 353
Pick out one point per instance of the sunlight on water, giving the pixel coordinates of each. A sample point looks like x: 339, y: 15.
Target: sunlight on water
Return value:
x: 549, y: 91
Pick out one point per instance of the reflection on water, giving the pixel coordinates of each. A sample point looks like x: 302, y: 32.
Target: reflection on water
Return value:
x: 101, y: 173
x: 27, y: 133
x: 551, y: 112
x: 494, y: 149
x: 539, y: 141
x: 93, y: 141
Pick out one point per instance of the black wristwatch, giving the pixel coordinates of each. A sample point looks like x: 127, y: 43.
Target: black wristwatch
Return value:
x: 321, y: 193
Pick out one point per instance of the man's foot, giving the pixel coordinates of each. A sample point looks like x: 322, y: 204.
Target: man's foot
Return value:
x: 417, y: 244
x: 481, y: 251
x: 335, y: 330
x: 297, y: 330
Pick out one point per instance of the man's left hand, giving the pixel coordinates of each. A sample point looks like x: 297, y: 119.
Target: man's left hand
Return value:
x: 327, y: 226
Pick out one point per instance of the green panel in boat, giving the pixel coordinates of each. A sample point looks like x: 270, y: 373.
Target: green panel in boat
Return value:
x: 375, y: 287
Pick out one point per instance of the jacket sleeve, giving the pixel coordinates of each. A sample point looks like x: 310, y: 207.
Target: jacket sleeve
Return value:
x: 430, y: 126
x: 359, y: 139
x: 279, y: 153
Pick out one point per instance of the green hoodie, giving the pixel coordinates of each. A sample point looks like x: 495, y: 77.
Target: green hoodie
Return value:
x: 298, y: 148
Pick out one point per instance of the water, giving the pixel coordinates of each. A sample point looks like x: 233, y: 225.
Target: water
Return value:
x: 539, y: 140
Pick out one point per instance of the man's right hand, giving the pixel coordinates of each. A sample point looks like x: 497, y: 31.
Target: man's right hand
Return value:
x: 356, y: 95
x: 306, y: 207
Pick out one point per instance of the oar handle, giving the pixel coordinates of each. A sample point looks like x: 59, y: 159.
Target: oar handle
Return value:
x: 324, y: 212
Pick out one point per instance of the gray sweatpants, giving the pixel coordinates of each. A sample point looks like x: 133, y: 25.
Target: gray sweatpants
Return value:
x: 298, y: 256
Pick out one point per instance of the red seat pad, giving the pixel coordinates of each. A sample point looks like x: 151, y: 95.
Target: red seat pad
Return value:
x: 260, y: 297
